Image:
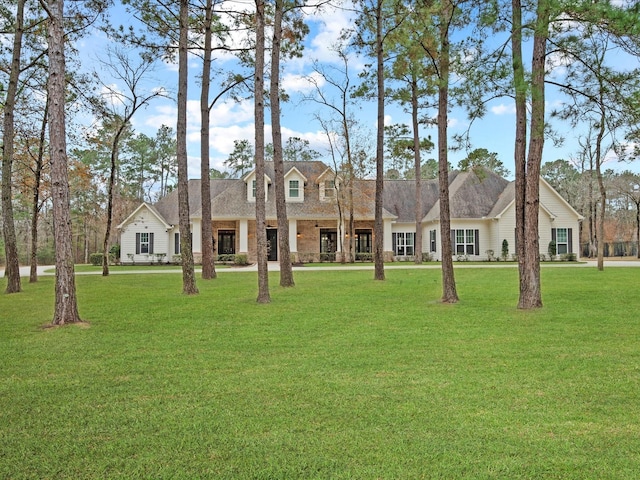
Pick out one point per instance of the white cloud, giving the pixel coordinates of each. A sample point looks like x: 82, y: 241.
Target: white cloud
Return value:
x: 503, y: 109
x: 300, y: 83
x: 326, y: 29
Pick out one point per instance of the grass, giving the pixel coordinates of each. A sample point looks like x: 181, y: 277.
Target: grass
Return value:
x: 340, y: 377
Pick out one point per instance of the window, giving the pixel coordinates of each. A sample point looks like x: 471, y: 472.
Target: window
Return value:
x: 144, y: 243
x: 253, y: 189
x: 403, y: 243
x: 363, y: 241
x: 328, y: 240
x: 465, y: 242
x: 294, y: 188
x: 177, y: 248
x: 432, y: 240
x: 329, y: 188
x: 563, y: 239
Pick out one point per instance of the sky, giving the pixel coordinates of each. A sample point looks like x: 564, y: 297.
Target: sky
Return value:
x: 231, y: 120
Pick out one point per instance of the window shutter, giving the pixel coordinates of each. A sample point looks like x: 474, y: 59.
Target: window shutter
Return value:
x: 394, y: 238
x: 435, y: 241
x: 151, y: 243
x: 176, y: 243
x: 570, y: 239
x: 453, y: 242
x: 137, y: 244
x: 477, y: 242
x: 553, y: 235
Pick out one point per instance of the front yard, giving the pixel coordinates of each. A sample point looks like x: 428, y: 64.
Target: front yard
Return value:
x: 339, y: 377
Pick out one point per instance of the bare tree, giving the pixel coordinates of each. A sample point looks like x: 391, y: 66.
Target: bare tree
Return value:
x: 628, y: 186
x: 119, y: 108
x: 339, y: 79
x: 36, y: 201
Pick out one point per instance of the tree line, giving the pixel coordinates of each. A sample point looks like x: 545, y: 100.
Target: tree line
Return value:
x: 426, y: 56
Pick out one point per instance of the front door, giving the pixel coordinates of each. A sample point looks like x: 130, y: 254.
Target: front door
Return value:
x: 272, y: 244
x: 226, y: 242
x: 363, y: 241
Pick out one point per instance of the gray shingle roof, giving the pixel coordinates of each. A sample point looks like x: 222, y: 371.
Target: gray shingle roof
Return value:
x: 472, y: 196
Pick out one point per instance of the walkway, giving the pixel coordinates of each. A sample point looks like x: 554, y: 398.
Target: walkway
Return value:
x: 47, y: 270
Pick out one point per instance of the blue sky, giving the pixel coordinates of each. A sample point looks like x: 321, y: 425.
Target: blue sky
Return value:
x: 231, y: 120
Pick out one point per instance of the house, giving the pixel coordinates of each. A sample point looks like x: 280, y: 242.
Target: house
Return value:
x: 482, y: 217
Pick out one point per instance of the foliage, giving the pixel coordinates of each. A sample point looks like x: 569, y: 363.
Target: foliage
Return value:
x: 381, y: 384
x: 552, y: 250
x: 399, y: 150
x: 95, y: 259
x: 505, y: 250
x: 241, y: 159
x: 480, y: 159
x: 240, y: 259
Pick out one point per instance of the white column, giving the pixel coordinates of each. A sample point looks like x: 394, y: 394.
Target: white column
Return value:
x: 388, y: 238
x: 244, y: 236
x: 293, y: 235
x: 196, y: 232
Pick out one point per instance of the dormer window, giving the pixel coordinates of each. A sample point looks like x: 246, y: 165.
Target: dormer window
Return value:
x: 329, y: 188
x: 252, y: 190
x: 294, y: 186
x: 294, y: 189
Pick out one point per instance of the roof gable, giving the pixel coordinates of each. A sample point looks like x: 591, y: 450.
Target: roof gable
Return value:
x: 144, y: 206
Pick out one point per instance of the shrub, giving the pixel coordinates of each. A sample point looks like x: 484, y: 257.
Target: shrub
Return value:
x: 552, y: 250
x: 115, y: 250
x: 426, y: 257
x: 505, y: 250
x: 329, y: 257
x: 569, y: 257
x: 95, y: 259
x: 240, y: 259
x: 177, y: 259
x: 364, y: 257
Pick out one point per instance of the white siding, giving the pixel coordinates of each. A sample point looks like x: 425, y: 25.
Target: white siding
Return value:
x: 484, y: 236
x: 143, y: 222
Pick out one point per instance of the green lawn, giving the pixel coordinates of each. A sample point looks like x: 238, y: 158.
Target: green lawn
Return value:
x: 340, y: 377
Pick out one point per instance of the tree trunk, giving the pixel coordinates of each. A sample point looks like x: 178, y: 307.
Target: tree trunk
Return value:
x: 284, y: 249
x: 601, y: 186
x: 261, y: 228
x: 10, y: 242
x: 110, y: 188
x: 66, y: 306
x: 520, y: 147
x: 449, y: 292
x: 208, y: 266
x: 417, y: 166
x: 35, y: 207
x: 188, y: 274
x: 530, y: 290
x: 378, y: 245
x: 638, y: 229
